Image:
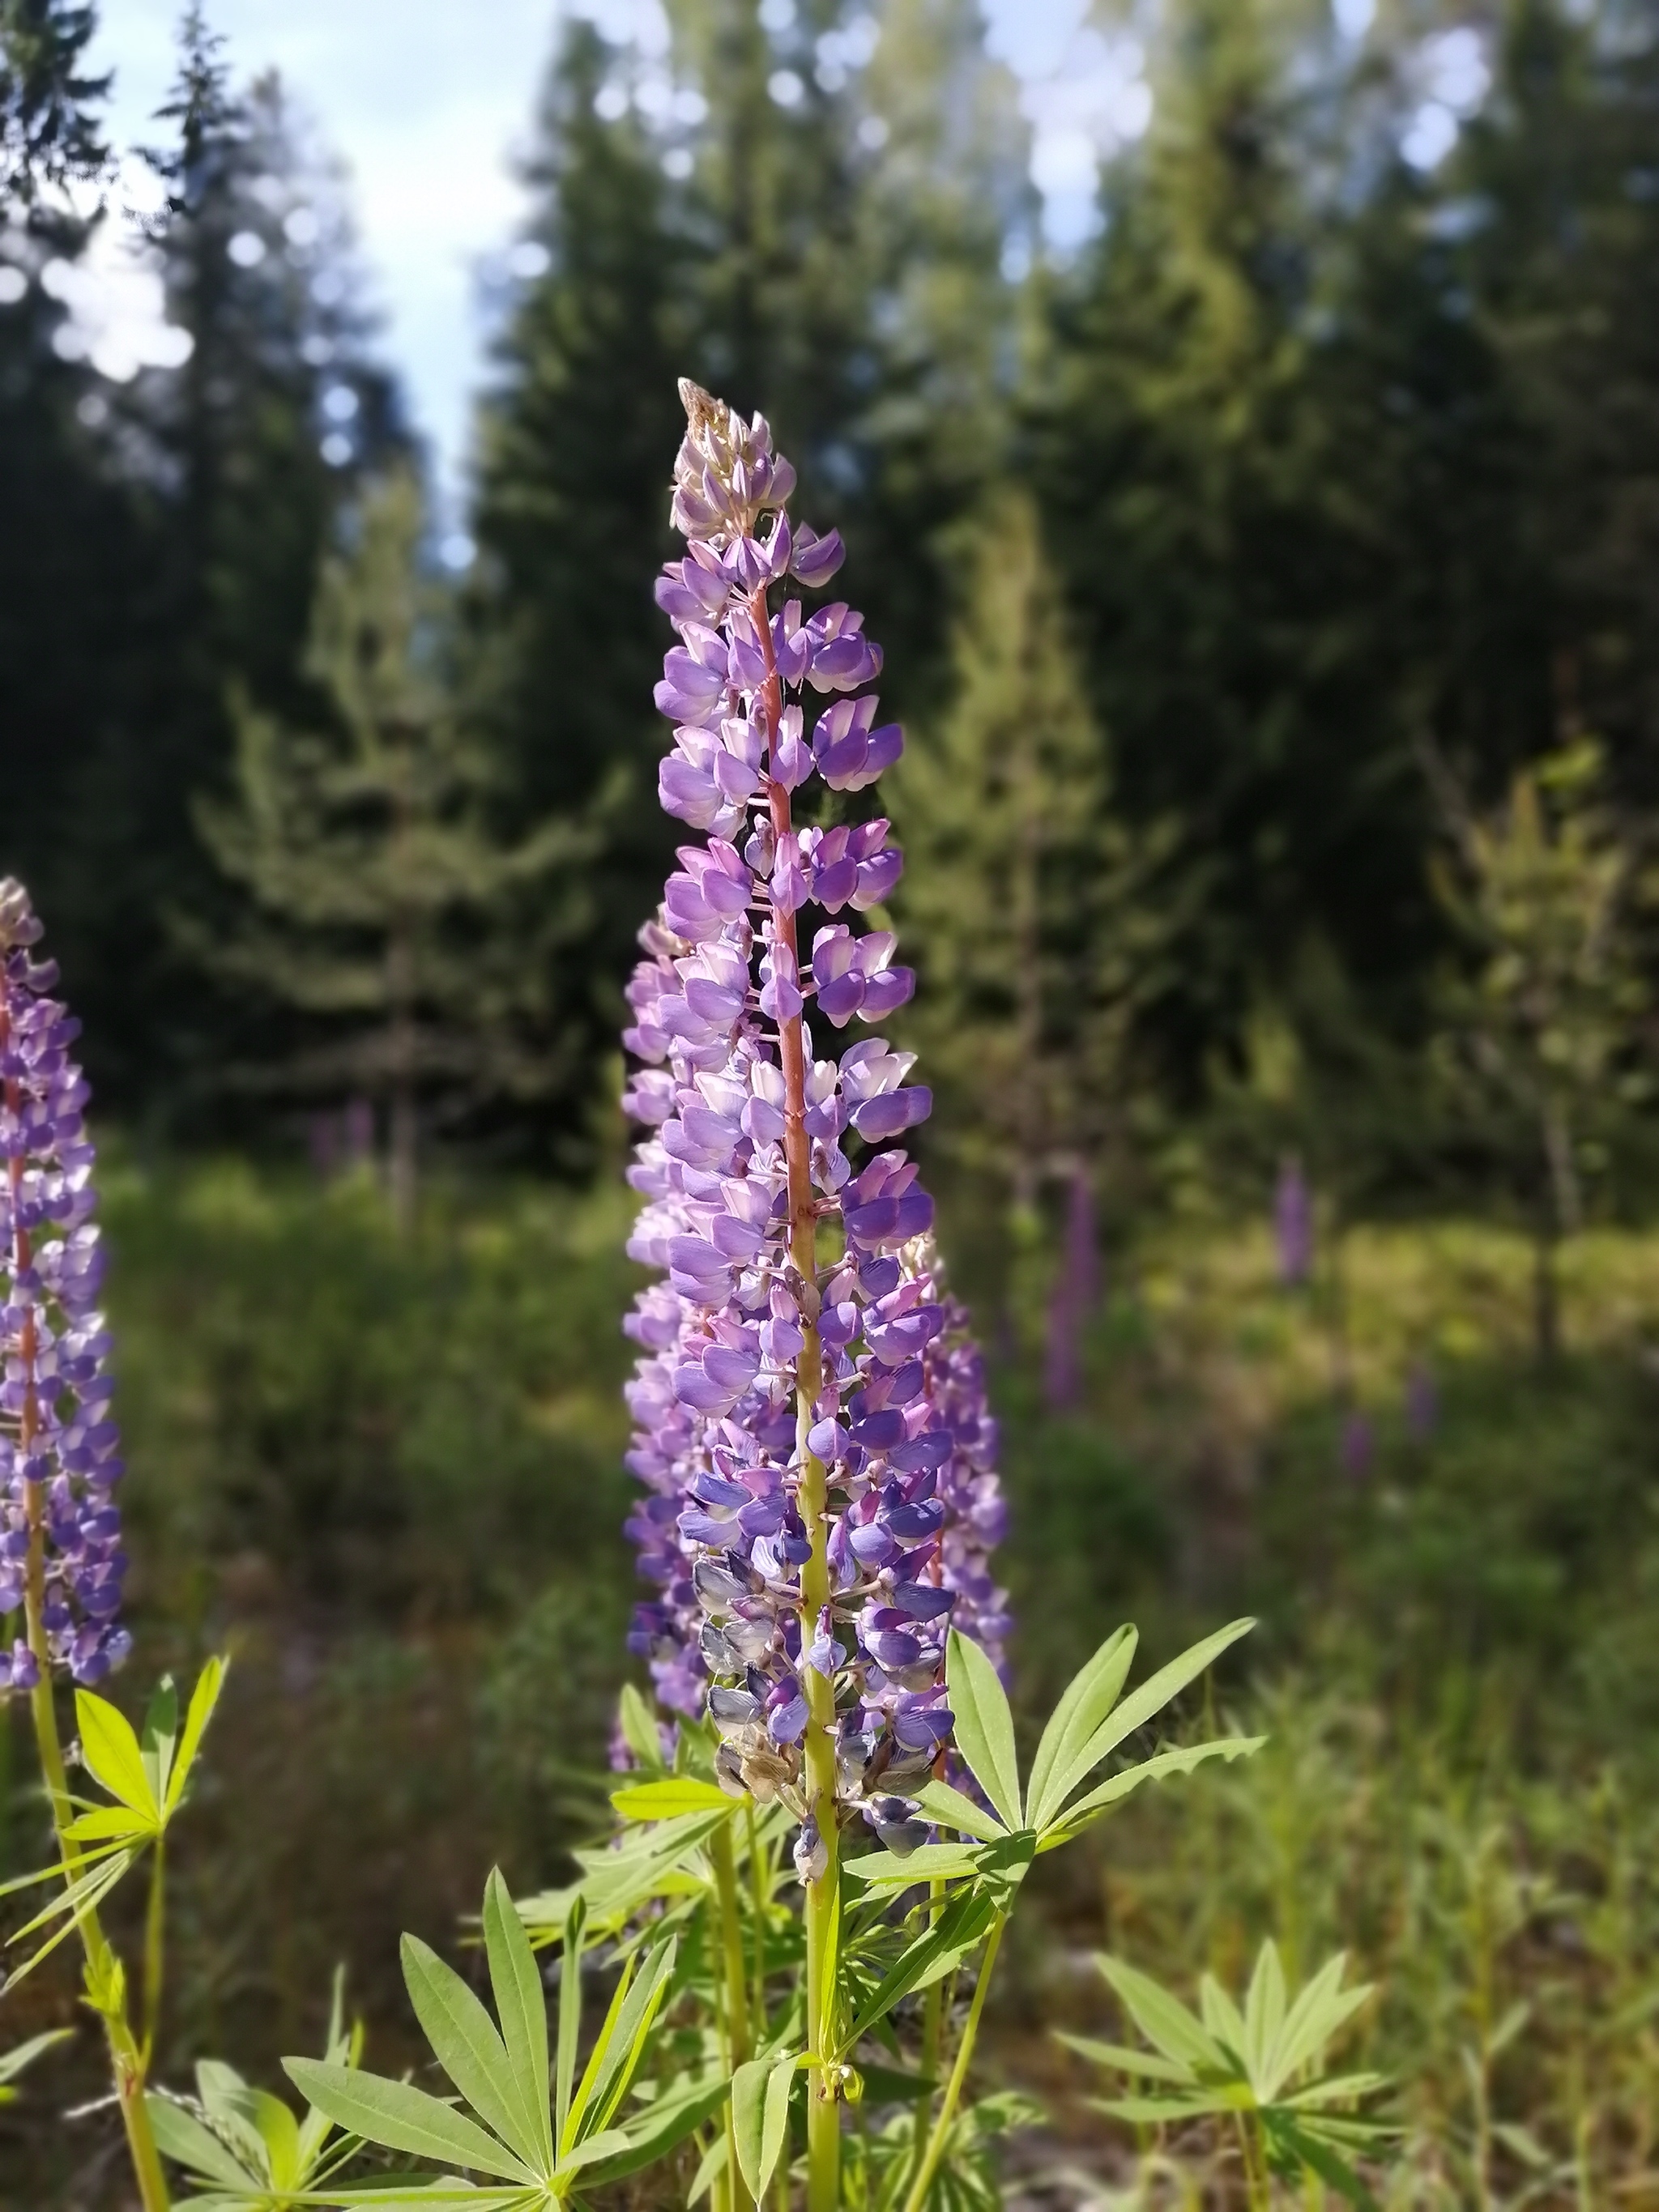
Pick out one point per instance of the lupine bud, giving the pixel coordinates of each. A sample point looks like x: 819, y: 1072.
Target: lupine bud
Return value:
x: 59, y: 1453
x: 721, y: 998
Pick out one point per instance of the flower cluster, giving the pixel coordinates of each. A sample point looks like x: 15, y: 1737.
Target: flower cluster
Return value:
x: 60, y: 1531
x: 803, y: 1325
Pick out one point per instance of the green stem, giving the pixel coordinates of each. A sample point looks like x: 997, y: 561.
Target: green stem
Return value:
x: 933, y: 2028
x: 734, y: 1996
x: 924, y: 2180
x: 154, y: 1923
x: 759, y: 1872
x: 127, y: 2062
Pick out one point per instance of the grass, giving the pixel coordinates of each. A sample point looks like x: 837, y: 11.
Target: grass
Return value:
x: 387, y: 1477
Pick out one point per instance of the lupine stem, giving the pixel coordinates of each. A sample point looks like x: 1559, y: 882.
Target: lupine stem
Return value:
x: 933, y: 2026
x: 822, y: 1893
x: 735, y: 1996
x: 924, y: 2180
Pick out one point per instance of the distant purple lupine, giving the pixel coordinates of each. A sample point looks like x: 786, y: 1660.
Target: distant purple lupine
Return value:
x: 1422, y: 1402
x: 1358, y: 1446
x: 1076, y: 1292
x: 1293, y: 1225
x: 763, y: 1369
x: 60, y: 1529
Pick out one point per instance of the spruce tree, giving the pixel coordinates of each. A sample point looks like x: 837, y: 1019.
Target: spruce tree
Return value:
x: 1030, y: 901
x: 51, y: 132
x: 376, y: 894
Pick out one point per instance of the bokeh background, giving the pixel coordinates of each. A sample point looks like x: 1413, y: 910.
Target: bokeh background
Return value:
x: 1244, y: 418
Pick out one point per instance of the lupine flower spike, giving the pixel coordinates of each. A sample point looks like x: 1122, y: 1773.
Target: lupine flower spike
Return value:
x: 60, y: 1531
x: 811, y: 1431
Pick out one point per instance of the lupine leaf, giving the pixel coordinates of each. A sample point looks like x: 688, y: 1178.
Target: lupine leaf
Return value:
x: 403, y: 2117
x: 1162, y: 2019
x: 1088, y: 1699
x: 20, y: 2055
x: 521, y: 2006
x: 82, y: 1896
x: 1332, y: 2169
x: 1323, y: 2007
x: 202, y: 1700
x: 1226, y: 2023
x: 280, y: 2133
x: 1146, y: 2063
x: 1087, y: 1809
x: 181, y: 2136
x: 951, y: 1809
x: 709, y: 2170
x: 570, y: 2016
x: 1154, y: 2112
x: 158, y: 1737
x: 604, y: 2144
x: 110, y: 1750
x: 1140, y: 1707
x: 760, y: 2118
x: 467, y: 2045
x: 673, y: 1794
x: 1339, y: 2087
x: 639, y: 1730
x: 984, y: 1725
x: 634, y: 2024
x: 583, y: 2094
x: 1264, y: 2017
x: 932, y: 1862
x: 666, y: 2121
x: 960, y: 1928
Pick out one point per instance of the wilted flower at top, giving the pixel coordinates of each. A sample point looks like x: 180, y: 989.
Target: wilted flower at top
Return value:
x: 802, y: 1332
x: 60, y: 1531
x: 1293, y: 1225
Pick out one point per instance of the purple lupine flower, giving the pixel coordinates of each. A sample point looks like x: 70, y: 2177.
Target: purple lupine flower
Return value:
x: 1357, y: 1447
x: 1293, y: 1224
x: 758, y: 1361
x: 60, y: 1530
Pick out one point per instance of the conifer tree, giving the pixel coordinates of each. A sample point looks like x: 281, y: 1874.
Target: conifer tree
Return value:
x: 373, y: 880
x: 1028, y: 900
x: 51, y: 132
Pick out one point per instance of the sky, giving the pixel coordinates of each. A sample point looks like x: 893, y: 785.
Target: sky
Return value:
x: 427, y: 102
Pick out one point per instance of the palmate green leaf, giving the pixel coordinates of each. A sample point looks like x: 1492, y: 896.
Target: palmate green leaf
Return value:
x: 1264, y: 2017
x: 203, y: 1700
x: 984, y: 1725
x: 112, y: 1823
x: 960, y: 1928
x: 666, y: 1799
x: 1291, y: 2147
x: 181, y: 2136
x: 634, y: 2012
x: 1088, y: 1809
x: 158, y: 1737
x: 1088, y: 1699
x: 949, y: 1808
x: 932, y: 1862
x: 1146, y: 2063
x: 1162, y: 2019
x: 403, y: 2117
x: 1156, y: 2112
x: 13, y: 2062
x: 1321, y: 2009
x: 466, y: 2045
x: 74, y: 1903
x: 1225, y: 2022
x: 1137, y: 1710
x: 521, y: 2006
x: 570, y: 2016
x: 666, y: 2123
x: 110, y: 1750
x: 760, y: 2117
x: 639, y: 1730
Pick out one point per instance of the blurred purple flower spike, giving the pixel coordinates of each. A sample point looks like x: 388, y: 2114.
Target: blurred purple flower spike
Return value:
x: 1357, y: 1447
x: 1293, y: 1222
x: 61, y: 1559
x: 817, y: 1460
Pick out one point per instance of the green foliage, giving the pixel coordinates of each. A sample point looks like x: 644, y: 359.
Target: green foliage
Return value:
x: 242, y: 2148
x: 146, y: 1779
x: 50, y: 129
x: 379, y: 904
x: 502, y: 2075
x: 22, y: 2056
x: 1254, y: 2063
